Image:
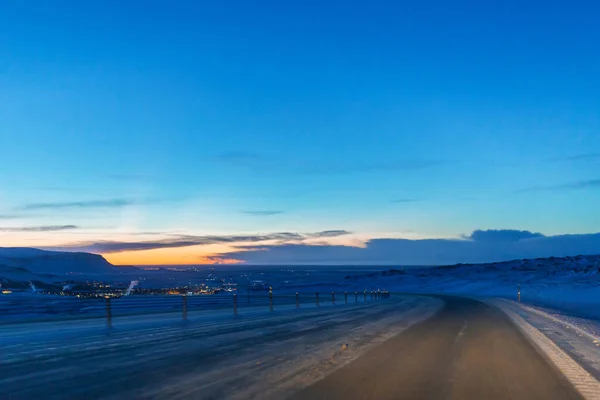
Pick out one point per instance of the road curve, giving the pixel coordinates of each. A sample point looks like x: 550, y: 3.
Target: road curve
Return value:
x: 469, y: 350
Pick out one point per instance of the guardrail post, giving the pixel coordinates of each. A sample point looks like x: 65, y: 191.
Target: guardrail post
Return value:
x: 271, y: 299
x: 297, y: 301
x: 108, y: 313
x: 235, y: 303
x: 346, y: 297
x: 184, y: 309
x: 332, y: 297
x: 317, y: 299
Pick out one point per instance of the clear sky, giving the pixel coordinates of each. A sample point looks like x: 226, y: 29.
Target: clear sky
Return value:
x: 175, y: 130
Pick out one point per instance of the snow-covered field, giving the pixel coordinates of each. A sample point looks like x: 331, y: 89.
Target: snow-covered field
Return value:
x: 570, y: 284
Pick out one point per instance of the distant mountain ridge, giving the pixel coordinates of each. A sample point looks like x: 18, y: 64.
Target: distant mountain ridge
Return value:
x: 38, y: 261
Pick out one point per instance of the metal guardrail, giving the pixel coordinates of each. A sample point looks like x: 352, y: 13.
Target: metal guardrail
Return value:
x: 18, y: 309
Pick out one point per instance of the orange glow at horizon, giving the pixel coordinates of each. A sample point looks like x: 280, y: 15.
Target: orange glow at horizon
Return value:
x: 175, y: 256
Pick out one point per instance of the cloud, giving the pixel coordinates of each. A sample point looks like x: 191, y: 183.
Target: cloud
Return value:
x: 586, y: 184
x: 481, y: 246
x: 175, y: 241
x: 262, y: 212
x: 367, y: 167
x: 130, y: 177
x: 109, y: 203
x: 503, y: 235
x: 44, y: 228
x: 326, y: 234
x: 404, y: 201
x: 578, y: 157
x: 239, y: 158
x: 260, y: 162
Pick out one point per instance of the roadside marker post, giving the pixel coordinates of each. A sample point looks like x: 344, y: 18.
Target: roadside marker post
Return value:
x: 297, y: 301
x: 235, y: 304
x: 317, y: 299
x: 271, y: 299
x: 108, y: 313
x: 346, y: 297
x: 184, y: 308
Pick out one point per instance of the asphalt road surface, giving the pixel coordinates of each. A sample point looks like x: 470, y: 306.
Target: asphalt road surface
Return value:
x: 469, y: 350
x: 255, y: 355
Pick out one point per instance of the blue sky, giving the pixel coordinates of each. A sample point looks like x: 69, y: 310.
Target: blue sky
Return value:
x: 384, y: 119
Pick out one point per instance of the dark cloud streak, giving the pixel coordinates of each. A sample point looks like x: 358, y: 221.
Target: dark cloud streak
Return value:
x: 192, y: 240
x: 259, y: 162
x: 399, y: 201
x: 259, y: 213
x: 479, y: 247
x: 578, y: 157
x: 586, y: 184
x: 44, y: 228
x: 110, y: 203
x: 501, y: 235
x: 130, y: 177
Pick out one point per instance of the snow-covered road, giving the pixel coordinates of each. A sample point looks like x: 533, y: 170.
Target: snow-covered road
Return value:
x: 256, y: 355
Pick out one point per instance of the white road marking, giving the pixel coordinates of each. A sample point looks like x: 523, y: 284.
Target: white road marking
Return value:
x: 585, y: 383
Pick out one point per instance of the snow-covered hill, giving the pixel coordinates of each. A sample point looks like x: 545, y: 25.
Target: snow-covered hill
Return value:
x: 568, y: 283
x: 27, y: 264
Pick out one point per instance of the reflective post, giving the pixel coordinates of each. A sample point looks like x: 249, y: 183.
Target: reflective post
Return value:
x: 365, y: 296
x: 356, y: 297
x: 271, y: 298
x: 297, y: 301
x: 346, y: 297
x: 184, y: 309
x: 108, y: 313
x: 332, y: 297
x: 519, y: 292
x: 317, y: 299
x: 235, y: 303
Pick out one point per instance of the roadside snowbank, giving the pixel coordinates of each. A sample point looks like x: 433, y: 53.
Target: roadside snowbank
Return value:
x: 569, y: 345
